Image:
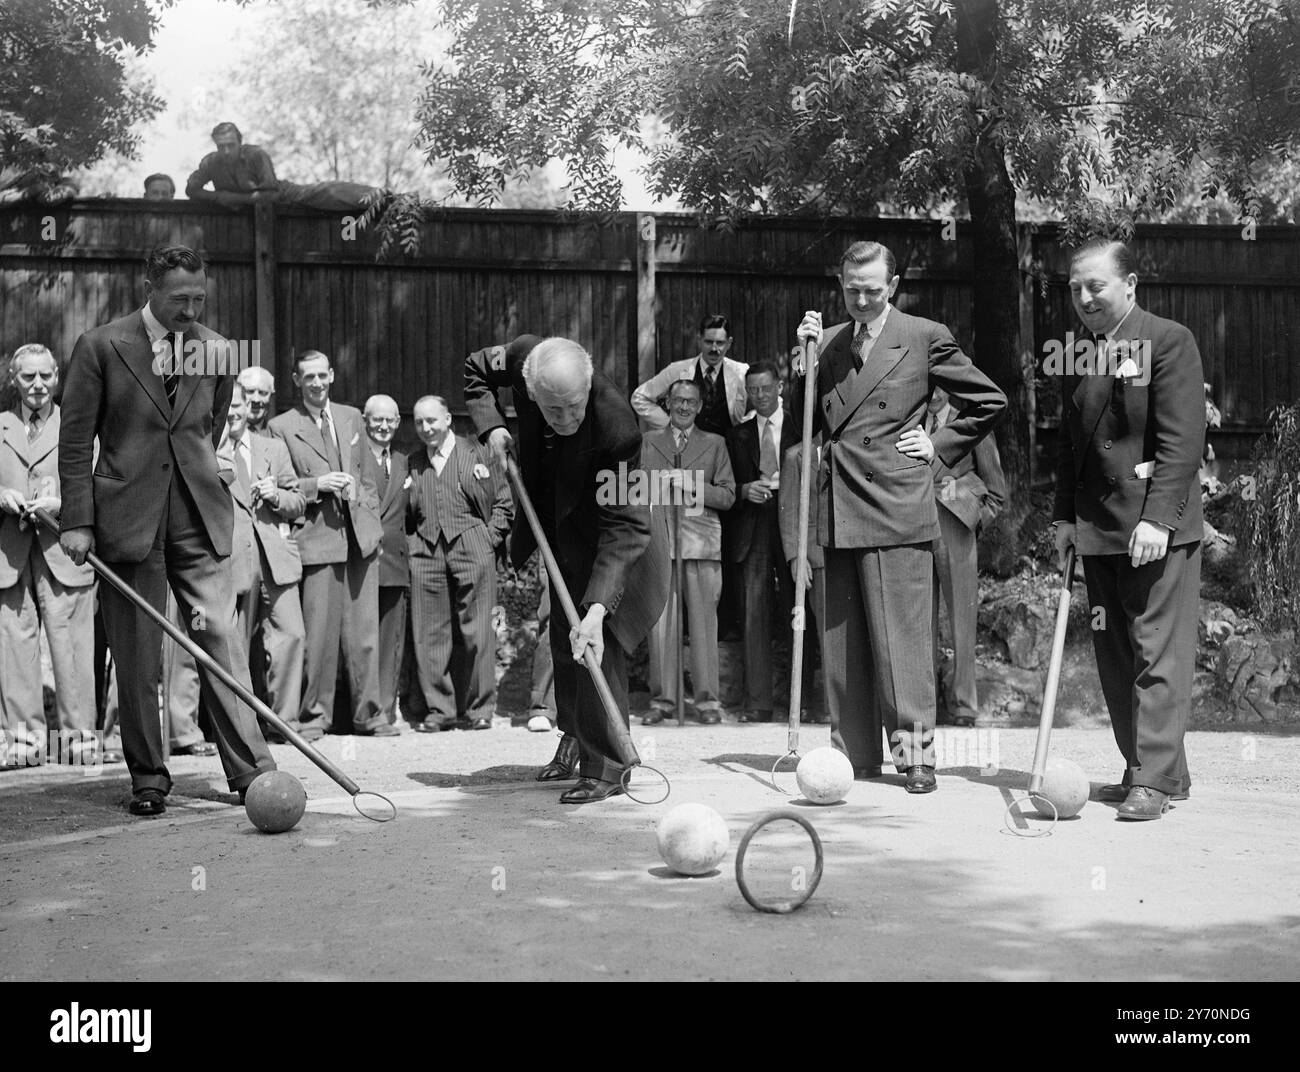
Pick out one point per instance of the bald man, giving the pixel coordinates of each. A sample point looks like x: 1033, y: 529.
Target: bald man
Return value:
x: 387, y: 471
x: 259, y: 388
x: 577, y: 434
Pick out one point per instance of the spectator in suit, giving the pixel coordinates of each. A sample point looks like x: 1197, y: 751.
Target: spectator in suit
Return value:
x: 693, y: 469
x: 815, y: 615
x: 339, y: 545
x: 40, y: 586
x: 155, y: 508
x: 969, y: 496
x: 265, y: 562
x: 459, y: 512
x: 541, y: 694
x: 756, y: 448
x: 259, y: 389
x: 388, y: 470
x: 577, y: 434
x: 1128, y: 500
x: 159, y: 187
x: 876, y: 515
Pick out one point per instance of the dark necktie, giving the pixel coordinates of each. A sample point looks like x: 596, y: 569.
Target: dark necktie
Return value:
x: 34, y: 427
x: 384, y: 473
x: 388, y: 471
x: 710, y: 388
x: 331, y: 448
x: 859, y: 346
x: 172, y: 375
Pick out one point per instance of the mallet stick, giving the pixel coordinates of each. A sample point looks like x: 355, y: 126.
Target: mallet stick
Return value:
x: 616, y: 726
x: 1053, y: 676
x: 677, y: 596
x: 802, y: 572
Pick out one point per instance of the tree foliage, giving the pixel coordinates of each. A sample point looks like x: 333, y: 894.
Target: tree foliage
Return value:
x: 65, y: 95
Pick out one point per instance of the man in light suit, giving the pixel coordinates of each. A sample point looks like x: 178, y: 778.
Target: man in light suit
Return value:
x: 40, y: 587
x: 339, y: 546
x: 876, y: 514
x: 754, y: 535
x: 969, y: 495
x: 386, y: 468
x: 577, y: 434
x: 156, y: 510
x: 694, y: 471
x: 458, y: 514
x: 1128, y: 500
x: 266, y: 565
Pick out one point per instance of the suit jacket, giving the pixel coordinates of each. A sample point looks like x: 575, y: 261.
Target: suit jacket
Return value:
x: 715, y: 489
x: 788, y: 506
x: 324, y: 535
x: 394, y: 567
x: 264, y: 527
x: 32, y: 469
x: 748, y: 517
x: 487, y: 497
x: 868, y: 494
x: 645, y: 399
x: 978, y: 488
x: 1110, y: 426
x: 614, y: 550
x: 114, y: 391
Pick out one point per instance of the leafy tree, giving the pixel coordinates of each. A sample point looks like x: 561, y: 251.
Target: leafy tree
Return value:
x: 1101, y: 108
x: 65, y: 95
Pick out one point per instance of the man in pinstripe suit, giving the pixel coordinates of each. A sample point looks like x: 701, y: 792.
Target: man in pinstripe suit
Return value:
x: 458, y: 513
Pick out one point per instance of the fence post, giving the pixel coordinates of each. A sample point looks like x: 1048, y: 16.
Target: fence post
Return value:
x: 264, y: 290
x: 645, y: 297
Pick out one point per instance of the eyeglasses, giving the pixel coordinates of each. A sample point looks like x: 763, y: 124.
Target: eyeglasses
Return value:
x: 386, y: 420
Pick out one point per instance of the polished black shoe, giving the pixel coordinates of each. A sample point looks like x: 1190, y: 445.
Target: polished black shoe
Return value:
x: 756, y: 716
x: 385, y: 730
x: 198, y: 748
x: 481, y: 724
x: 653, y: 717
x: 430, y: 726
x: 147, y: 802
x: 1144, y: 803
x: 589, y: 790
x: 920, y: 780
x: 709, y: 718
x: 565, y: 763
x: 1118, y: 793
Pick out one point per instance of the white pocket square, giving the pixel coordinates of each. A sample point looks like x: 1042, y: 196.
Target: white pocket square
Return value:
x: 1128, y: 369
x: 1144, y: 470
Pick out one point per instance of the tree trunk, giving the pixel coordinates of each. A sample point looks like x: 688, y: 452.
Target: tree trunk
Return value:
x: 995, y: 316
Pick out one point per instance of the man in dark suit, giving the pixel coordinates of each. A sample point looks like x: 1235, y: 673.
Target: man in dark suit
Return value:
x: 266, y: 565
x: 578, y: 441
x: 876, y: 515
x: 339, y: 545
x: 386, y: 468
x: 756, y: 447
x: 459, y: 513
x: 155, y: 509
x: 969, y: 495
x: 1128, y: 500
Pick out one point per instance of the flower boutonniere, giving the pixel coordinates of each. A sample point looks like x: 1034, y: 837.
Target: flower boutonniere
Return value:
x: 406, y: 484
x: 481, y: 471
x: 353, y: 441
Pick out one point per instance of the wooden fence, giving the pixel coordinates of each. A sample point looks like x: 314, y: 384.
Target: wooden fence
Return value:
x: 630, y: 287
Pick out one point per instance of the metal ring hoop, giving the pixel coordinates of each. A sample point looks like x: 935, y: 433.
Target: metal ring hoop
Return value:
x: 627, y: 774
x: 778, y: 907
x: 366, y: 815
x: 772, y: 774
x: 1026, y: 832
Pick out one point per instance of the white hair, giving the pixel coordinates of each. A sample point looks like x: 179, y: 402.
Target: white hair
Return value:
x: 548, y: 352
x: 258, y: 371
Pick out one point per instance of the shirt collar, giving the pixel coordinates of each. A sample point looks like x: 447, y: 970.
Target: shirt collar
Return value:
x: 152, y: 325
x: 873, y: 327
x: 444, y: 451
x: 1108, y: 335
x: 315, y: 413
x: 45, y: 412
x: 704, y: 365
x: 377, y: 449
x: 775, y: 419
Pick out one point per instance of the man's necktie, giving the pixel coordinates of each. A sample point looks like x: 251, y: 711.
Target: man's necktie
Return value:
x: 388, y: 470
x: 710, y: 387
x: 384, y: 473
x: 33, y: 427
x: 679, y: 437
x: 172, y: 375
x: 858, y: 346
x: 331, y: 448
x: 241, y: 470
x: 767, y: 460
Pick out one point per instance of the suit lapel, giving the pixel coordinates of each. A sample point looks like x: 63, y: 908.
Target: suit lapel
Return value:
x: 16, y: 436
x: 132, y: 346
x: 309, y: 432
x: 854, y: 385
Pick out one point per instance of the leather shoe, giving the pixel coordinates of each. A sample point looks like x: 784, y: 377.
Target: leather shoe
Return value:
x: 589, y: 790
x: 110, y: 755
x: 198, y: 748
x: 481, y: 724
x: 147, y: 802
x: 756, y: 716
x: 653, y: 717
x: 565, y: 763
x: 920, y: 780
x: 385, y: 730
x: 430, y: 726
x: 861, y: 773
x: 1118, y: 793
x: 1143, y: 803
x: 709, y: 718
